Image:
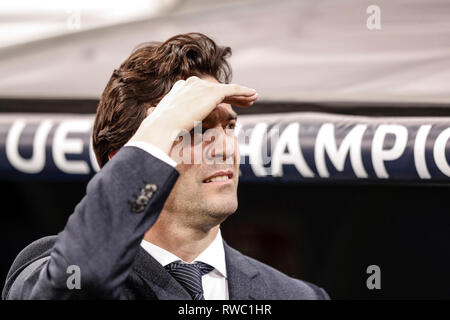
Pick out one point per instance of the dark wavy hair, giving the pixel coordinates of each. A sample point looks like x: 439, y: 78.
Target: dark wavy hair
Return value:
x: 145, y: 77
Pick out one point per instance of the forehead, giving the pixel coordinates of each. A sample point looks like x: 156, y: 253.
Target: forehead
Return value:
x: 222, y: 113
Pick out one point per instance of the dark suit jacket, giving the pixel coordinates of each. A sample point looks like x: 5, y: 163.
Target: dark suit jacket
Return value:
x: 102, y: 237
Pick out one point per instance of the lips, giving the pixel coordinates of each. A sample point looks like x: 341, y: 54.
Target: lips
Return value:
x: 219, y: 176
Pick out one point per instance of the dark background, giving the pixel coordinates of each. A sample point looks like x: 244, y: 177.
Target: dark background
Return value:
x: 327, y: 233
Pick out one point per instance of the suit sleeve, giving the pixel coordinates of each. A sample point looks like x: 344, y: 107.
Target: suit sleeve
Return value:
x: 102, y: 236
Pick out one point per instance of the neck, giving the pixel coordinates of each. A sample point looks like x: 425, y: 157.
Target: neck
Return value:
x: 186, y: 242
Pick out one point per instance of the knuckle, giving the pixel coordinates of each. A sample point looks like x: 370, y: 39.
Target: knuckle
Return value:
x: 192, y: 79
x: 179, y: 82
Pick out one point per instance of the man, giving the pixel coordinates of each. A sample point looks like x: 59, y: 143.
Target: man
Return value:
x: 149, y: 224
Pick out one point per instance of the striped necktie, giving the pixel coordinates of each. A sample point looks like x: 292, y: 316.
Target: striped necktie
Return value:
x: 189, y: 275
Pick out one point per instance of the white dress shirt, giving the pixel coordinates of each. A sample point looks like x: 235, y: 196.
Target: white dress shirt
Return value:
x: 215, y: 283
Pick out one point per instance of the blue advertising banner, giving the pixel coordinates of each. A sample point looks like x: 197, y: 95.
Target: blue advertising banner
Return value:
x: 281, y: 147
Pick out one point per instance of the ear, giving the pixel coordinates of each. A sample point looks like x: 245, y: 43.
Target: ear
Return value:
x: 112, y: 154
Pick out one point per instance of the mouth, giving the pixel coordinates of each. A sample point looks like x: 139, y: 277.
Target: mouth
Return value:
x: 221, y: 177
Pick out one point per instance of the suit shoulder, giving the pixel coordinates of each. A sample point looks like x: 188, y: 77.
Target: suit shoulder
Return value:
x: 34, y: 251
x: 286, y: 287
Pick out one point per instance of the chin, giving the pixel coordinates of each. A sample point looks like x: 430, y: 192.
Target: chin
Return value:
x: 222, y: 208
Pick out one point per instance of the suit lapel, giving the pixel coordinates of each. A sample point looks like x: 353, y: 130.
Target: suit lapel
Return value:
x: 159, y: 280
x: 241, y: 275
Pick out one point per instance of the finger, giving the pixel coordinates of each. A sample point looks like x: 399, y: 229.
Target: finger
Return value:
x: 242, y: 104
x: 178, y: 84
x: 237, y: 90
x: 192, y: 79
x: 241, y: 100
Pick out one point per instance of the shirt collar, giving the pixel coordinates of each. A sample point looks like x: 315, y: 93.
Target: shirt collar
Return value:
x: 161, y: 255
x: 214, y: 254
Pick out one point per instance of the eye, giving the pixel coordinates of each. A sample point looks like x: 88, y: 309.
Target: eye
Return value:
x: 230, y: 125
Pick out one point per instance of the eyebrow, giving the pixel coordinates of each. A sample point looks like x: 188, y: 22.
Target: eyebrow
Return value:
x: 232, y: 116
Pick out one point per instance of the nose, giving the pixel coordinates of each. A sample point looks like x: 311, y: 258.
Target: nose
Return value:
x: 220, y: 146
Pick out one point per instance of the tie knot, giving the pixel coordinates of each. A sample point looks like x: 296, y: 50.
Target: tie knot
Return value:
x: 189, y: 275
x: 195, y: 267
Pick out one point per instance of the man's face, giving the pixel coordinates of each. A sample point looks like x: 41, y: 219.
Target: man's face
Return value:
x: 208, y: 163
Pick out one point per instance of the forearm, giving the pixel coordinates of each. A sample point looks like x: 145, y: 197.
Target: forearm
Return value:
x: 103, y: 234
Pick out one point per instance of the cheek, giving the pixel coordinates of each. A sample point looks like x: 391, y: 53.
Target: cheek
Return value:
x: 237, y: 154
x: 237, y: 160
x: 189, y: 175
x: 183, y: 151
